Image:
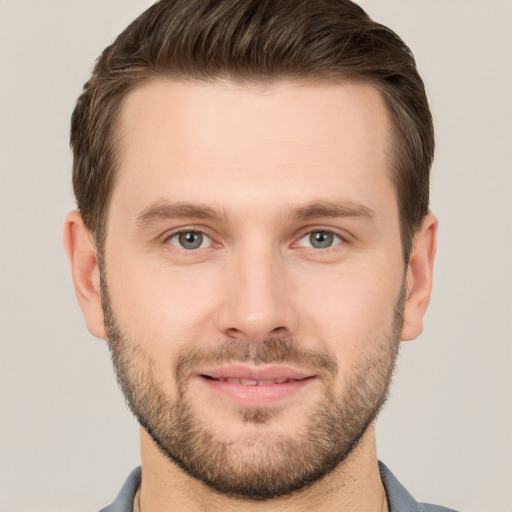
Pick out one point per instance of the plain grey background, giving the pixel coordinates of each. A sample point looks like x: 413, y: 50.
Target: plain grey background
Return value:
x: 67, y: 441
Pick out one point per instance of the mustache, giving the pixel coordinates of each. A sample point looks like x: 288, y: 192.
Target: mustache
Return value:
x: 270, y: 351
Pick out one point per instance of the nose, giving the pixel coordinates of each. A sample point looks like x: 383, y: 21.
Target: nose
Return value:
x: 257, y: 298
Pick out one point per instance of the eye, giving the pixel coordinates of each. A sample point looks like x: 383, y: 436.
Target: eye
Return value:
x: 320, y: 239
x: 189, y: 240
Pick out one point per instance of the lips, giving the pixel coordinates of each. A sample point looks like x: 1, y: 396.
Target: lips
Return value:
x: 241, y: 372
x: 251, y: 386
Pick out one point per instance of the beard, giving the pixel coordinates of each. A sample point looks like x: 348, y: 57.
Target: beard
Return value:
x: 257, y: 466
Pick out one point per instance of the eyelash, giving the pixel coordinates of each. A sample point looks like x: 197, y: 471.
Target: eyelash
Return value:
x: 336, y: 237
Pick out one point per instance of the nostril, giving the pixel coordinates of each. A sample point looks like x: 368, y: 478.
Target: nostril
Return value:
x: 235, y: 334
x: 278, y: 330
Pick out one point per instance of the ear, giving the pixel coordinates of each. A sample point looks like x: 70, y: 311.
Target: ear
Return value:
x: 419, y: 278
x: 82, y: 255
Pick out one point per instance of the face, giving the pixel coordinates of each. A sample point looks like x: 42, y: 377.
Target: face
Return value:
x: 252, y: 276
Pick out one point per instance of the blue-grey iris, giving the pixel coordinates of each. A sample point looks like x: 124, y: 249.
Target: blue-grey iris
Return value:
x: 190, y: 239
x: 321, y: 239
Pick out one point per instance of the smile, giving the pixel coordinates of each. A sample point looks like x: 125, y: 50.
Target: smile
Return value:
x: 253, y: 382
x: 250, y: 386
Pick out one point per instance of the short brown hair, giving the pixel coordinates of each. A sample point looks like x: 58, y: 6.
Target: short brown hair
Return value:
x: 253, y: 40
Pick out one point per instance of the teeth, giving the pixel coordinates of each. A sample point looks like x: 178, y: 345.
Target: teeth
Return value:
x: 248, y: 382
x: 253, y: 382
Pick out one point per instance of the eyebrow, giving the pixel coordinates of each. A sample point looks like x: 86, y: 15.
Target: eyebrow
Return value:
x: 163, y: 210
x: 333, y: 209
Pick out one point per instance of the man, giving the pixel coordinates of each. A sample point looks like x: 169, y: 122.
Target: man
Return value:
x: 253, y: 239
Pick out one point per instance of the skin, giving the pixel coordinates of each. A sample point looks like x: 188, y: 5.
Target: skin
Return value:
x: 256, y: 156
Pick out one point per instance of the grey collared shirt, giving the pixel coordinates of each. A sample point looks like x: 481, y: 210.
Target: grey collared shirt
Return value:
x: 399, y: 500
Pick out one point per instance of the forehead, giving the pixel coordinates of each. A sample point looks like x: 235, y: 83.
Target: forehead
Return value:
x: 286, y: 140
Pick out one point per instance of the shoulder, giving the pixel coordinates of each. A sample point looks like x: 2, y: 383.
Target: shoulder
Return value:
x: 399, y: 499
x: 124, y: 500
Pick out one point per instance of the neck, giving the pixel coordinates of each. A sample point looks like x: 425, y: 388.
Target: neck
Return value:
x: 353, y: 485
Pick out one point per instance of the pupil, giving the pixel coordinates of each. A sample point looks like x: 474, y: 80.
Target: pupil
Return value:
x: 321, y: 239
x: 191, y: 240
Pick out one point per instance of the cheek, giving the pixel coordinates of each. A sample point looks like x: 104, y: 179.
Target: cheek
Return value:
x: 160, y: 307
x: 350, y: 312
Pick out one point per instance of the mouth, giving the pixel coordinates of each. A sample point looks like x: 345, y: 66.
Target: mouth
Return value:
x: 249, y: 386
x: 251, y: 382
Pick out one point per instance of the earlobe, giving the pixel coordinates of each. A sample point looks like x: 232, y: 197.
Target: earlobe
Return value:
x: 419, y: 278
x: 82, y: 256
